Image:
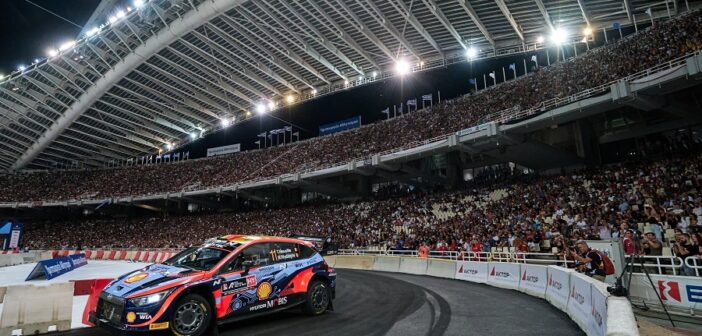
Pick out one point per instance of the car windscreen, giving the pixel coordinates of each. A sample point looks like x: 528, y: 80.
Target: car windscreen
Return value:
x: 200, y: 258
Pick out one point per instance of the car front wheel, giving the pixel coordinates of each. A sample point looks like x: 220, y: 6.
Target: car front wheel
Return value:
x: 191, y: 317
x: 317, y: 298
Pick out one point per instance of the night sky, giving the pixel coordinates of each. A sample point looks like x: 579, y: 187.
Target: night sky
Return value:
x: 26, y: 32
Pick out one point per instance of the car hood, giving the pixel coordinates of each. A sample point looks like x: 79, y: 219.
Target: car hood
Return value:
x: 151, y: 276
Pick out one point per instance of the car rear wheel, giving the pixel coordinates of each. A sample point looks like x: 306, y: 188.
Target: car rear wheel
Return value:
x: 192, y: 316
x: 317, y: 298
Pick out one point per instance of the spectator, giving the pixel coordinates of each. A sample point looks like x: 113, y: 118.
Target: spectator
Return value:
x: 590, y: 261
x: 651, y: 245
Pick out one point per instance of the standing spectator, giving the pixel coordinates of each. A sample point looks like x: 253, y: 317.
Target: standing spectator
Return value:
x: 651, y: 246
x: 590, y: 261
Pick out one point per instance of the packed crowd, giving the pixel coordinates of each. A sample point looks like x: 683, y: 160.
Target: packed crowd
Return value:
x: 643, y: 50
x: 523, y: 212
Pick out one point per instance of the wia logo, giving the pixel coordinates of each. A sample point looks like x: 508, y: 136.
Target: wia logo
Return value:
x: 669, y: 289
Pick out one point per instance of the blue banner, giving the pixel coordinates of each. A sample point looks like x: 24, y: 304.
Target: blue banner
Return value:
x: 340, y: 125
x: 51, y: 268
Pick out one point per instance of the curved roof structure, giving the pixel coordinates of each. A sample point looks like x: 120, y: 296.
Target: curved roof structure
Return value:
x: 158, y: 72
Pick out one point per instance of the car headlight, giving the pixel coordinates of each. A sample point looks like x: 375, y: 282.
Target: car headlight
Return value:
x: 149, y: 299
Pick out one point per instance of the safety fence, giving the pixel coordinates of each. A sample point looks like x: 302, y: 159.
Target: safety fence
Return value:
x: 155, y: 256
x: 584, y: 299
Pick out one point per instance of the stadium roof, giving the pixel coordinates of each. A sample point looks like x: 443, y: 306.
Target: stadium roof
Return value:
x: 161, y: 71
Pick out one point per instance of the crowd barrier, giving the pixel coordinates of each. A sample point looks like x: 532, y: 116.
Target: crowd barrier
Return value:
x: 584, y: 299
x: 16, y: 258
x: 30, y: 309
x: 137, y: 255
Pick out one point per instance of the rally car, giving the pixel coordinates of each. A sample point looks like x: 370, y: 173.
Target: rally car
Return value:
x: 226, y: 279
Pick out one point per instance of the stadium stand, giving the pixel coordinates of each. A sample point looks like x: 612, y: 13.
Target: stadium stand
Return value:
x: 656, y: 45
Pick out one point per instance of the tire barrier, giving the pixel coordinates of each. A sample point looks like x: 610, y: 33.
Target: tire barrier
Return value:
x: 584, y: 299
x: 36, y: 309
x: 135, y: 255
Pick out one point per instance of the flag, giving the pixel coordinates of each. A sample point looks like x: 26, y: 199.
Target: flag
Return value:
x: 386, y: 111
x: 288, y: 128
x: 533, y: 58
x: 258, y: 142
x: 427, y: 97
x: 492, y: 75
x: 262, y: 135
x: 412, y: 102
x: 471, y: 81
x: 297, y: 134
x: 648, y: 12
x: 512, y: 67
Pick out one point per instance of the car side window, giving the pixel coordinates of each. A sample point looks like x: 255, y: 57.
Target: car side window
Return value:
x: 283, y: 252
x: 306, y: 251
x: 257, y: 254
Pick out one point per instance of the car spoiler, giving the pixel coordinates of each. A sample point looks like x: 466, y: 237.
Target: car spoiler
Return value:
x: 323, y: 245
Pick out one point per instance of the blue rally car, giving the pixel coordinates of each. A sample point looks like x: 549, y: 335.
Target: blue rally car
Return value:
x: 226, y: 279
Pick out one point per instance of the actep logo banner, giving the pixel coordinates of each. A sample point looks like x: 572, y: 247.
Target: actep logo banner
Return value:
x: 558, y: 286
x: 504, y: 275
x: 472, y: 271
x: 580, y: 300
x: 533, y: 279
x: 680, y: 292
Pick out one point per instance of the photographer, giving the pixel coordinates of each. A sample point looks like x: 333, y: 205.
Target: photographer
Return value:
x: 588, y: 261
x: 683, y: 249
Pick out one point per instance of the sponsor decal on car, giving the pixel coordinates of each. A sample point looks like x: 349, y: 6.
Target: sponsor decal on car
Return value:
x: 136, y: 277
x: 264, y: 290
x: 131, y: 317
x: 284, y: 254
x: 272, y: 303
x: 238, y: 285
x: 158, y: 326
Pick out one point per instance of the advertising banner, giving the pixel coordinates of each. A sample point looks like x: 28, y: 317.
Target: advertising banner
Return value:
x: 51, y: 268
x: 504, y: 275
x: 472, y: 271
x: 533, y: 280
x: 558, y: 286
x: 580, y: 300
x: 223, y: 150
x: 677, y: 291
x: 340, y: 125
x: 598, y: 314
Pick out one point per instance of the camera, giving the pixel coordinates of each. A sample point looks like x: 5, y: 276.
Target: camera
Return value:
x: 618, y: 288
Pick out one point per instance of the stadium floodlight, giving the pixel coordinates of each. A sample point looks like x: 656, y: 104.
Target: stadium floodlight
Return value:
x: 421, y: 63
x: 587, y: 31
x: 360, y: 78
x: 36, y: 60
x: 559, y: 36
x: 271, y: 105
x: 260, y: 108
x: 402, y: 67
x: 314, y: 92
x: 21, y: 68
x: 540, y: 39
x: 138, y: 3
x: 120, y: 14
x: 93, y: 32
x: 112, y: 19
x: 375, y: 74
x: 2, y: 77
x: 169, y: 146
x: 67, y: 45
x: 193, y: 135
x: 346, y: 82
x: 225, y: 122
x: 471, y: 53
x: 290, y: 99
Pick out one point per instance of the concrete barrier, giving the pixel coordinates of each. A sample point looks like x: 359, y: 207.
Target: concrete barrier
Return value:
x: 34, y: 309
x: 355, y: 262
x: 11, y: 259
x: 413, y: 265
x: 387, y: 264
x: 442, y: 268
x: 330, y: 260
x: 584, y: 299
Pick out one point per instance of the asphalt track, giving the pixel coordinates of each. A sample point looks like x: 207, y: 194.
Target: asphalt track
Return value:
x: 376, y: 303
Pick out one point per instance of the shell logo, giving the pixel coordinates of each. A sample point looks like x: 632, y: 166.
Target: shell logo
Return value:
x: 264, y: 290
x: 136, y: 277
x: 131, y: 316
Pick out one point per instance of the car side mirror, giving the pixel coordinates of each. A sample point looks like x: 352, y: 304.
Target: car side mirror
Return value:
x: 247, y: 264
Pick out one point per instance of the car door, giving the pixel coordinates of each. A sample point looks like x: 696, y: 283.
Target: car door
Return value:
x: 238, y: 288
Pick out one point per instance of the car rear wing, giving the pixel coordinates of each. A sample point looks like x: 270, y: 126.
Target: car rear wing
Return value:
x: 323, y: 245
